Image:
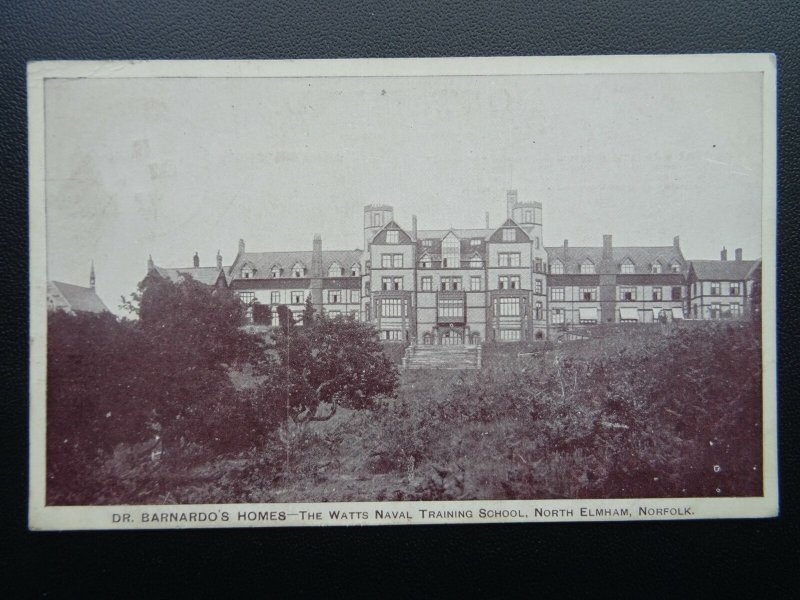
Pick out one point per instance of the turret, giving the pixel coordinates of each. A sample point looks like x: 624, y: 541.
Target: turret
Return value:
x: 375, y: 217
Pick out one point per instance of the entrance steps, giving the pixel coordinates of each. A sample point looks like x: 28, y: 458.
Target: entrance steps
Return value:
x: 462, y: 356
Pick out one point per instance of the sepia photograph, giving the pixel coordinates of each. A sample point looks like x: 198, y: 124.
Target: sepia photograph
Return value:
x: 402, y: 291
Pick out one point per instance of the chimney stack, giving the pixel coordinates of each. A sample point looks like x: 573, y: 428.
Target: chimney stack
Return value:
x: 150, y: 264
x: 723, y: 255
x: 219, y: 261
x: 196, y: 260
x: 607, y: 253
x: 316, y: 257
x: 676, y: 242
x: 511, y: 202
x: 487, y: 220
x: 414, y: 227
x: 738, y: 253
x: 241, y: 246
x: 91, y: 276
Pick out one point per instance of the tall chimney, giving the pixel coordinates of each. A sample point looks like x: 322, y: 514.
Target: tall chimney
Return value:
x: 316, y: 257
x: 487, y: 220
x: 723, y: 255
x: 511, y: 201
x: 91, y: 276
x: 196, y: 260
x: 738, y: 254
x: 219, y: 261
x: 414, y: 227
x: 676, y: 242
x: 241, y: 246
x: 607, y: 253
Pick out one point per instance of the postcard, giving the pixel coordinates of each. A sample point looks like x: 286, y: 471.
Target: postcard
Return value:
x: 402, y: 291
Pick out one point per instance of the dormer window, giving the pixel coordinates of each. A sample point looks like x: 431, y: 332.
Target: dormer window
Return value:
x: 656, y: 268
x: 298, y: 270
x: 355, y: 271
x: 557, y: 267
x: 587, y: 268
x: 475, y: 242
x: 248, y: 272
x: 276, y: 271
x: 427, y: 242
x: 335, y: 270
x: 675, y: 267
x: 451, y: 252
x: 393, y: 237
x: 627, y: 268
x: 425, y: 263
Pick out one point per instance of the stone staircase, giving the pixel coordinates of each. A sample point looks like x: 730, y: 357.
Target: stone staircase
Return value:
x: 442, y: 357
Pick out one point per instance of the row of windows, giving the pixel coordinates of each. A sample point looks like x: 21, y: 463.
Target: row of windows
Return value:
x: 716, y: 311
x: 626, y: 293
x: 734, y: 288
x: 299, y: 270
x: 392, y: 307
x: 512, y: 307
x: 587, y: 267
x: 299, y: 297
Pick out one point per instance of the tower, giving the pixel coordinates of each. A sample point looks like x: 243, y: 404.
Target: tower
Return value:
x: 375, y: 217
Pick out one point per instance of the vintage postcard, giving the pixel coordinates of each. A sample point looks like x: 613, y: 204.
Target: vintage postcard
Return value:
x: 402, y: 291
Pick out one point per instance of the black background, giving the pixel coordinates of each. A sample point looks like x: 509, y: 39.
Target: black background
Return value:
x: 479, y: 560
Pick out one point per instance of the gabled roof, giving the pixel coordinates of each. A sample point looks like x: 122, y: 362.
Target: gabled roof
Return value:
x: 438, y: 234
x: 642, y: 257
x: 78, y: 298
x: 724, y: 270
x: 403, y: 237
x: 264, y: 261
x: 206, y: 275
x: 497, y: 236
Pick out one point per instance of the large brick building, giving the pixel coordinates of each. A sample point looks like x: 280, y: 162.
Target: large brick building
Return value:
x: 498, y: 284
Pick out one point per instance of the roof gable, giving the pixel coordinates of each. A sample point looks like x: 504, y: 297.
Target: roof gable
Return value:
x: 79, y: 298
x: 402, y: 236
x: 520, y: 235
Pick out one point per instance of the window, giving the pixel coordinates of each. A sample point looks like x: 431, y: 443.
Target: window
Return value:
x: 676, y: 292
x: 588, y: 294
x: 297, y: 298
x: 475, y: 242
x: 298, y: 270
x: 355, y: 296
x: 426, y: 284
x: 528, y: 216
x: 736, y: 310
x: 627, y: 268
x: 537, y: 311
x: 509, y: 235
x: 425, y: 262
x: 715, y: 288
x: 627, y: 293
x: 537, y: 286
x: 334, y: 296
x: 694, y: 289
x: 275, y: 298
x: 657, y: 293
x: 656, y: 268
x: 335, y: 270
x: 391, y: 283
x: 587, y: 267
x: 557, y: 267
x: 675, y: 267
x: 556, y: 293
x: 392, y: 236
x: 508, y: 282
x: 451, y: 308
x: 391, y: 261
x: 451, y: 283
x: 451, y: 252
x: 355, y: 271
x: 247, y: 297
x: 508, y: 307
x: 557, y: 315
x: 536, y: 242
x: 475, y: 262
x: 392, y: 335
x: 391, y: 307
x: 587, y: 316
x: 276, y: 271
x: 538, y: 265
x: 509, y: 335
x: 427, y: 242
x: 332, y: 314
x: 508, y: 259
x: 716, y: 310
x: 475, y: 282
x: 735, y: 289
x: 247, y: 273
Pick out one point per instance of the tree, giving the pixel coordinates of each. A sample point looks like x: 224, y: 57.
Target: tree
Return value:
x: 262, y: 314
x: 337, y: 361
x: 285, y: 318
x: 308, y: 312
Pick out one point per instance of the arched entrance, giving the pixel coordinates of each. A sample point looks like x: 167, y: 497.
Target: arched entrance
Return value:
x: 427, y: 339
x: 452, y: 337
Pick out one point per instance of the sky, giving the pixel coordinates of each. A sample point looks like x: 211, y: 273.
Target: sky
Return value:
x: 172, y: 166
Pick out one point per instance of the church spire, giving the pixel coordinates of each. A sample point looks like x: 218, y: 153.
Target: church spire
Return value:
x: 91, y: 276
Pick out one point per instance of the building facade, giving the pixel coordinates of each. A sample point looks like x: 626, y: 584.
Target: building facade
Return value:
x: 495, y: 284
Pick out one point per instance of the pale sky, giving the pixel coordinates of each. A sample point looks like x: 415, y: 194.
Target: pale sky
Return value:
x: 170, y: 166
